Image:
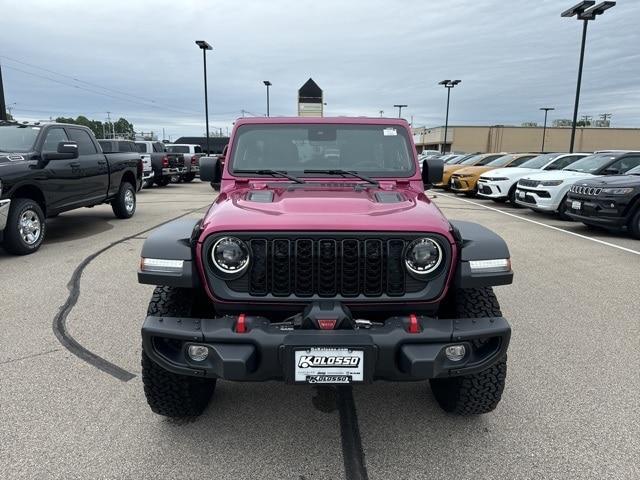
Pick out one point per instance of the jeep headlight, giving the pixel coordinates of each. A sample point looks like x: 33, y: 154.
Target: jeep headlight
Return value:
x: 230, y: 255
x: 551, y: 183
x: 606, y: 191
x: 423, y: 256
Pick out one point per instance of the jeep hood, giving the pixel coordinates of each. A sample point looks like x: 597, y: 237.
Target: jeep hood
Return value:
x: 614, y: 181
x: 515, y: 172
x: 320, y: 208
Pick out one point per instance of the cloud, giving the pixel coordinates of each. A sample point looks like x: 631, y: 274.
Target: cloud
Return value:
x: 513, y: 58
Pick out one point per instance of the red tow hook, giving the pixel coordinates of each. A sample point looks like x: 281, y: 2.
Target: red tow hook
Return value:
x: 241, y: 325
x: 414, y: 326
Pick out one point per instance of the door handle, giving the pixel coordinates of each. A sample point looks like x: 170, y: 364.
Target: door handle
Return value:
x: 74, y: 164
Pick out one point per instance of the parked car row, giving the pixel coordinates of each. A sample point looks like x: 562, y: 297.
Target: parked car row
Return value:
x: 600, y: 189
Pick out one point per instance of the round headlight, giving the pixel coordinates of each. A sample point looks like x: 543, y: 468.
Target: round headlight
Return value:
x: 423, y: 255
x: 230, y: 255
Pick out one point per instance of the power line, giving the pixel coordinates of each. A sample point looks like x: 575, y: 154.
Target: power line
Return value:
x: 146, y: 99
x: 97, y: 92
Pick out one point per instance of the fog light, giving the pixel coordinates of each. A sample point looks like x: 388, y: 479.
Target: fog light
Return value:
x: 455, y: 353
x: 198, y: 353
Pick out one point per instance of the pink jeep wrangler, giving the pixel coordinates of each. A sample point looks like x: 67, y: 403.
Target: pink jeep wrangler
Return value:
x: 322, y: 261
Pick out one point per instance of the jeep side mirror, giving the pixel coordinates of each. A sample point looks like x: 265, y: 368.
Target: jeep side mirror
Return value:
x: 432, y: 171
x: 65, y: 151
x: 210, y: 169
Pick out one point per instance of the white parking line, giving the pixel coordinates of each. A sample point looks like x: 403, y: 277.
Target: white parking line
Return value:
x: 602, y: 242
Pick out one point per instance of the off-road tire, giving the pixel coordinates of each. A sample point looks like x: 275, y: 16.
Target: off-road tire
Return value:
x: 121, y: 204
x: 170, y: 394
x: 13, y: 241
x: 163, y: 181
x: 479, y: 392
x: 188, y: 177
x: 634, y: 224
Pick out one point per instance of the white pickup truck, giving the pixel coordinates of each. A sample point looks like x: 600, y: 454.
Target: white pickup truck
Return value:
x: 192, y: 154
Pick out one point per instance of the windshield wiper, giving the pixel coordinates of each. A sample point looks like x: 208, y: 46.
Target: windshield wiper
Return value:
x: 274, y: 173
x: 346, y: 173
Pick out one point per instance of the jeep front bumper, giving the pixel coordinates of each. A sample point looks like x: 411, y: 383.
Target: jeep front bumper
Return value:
x: 266, y: 351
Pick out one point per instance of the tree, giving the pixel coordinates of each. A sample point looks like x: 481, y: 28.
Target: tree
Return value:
x: 123, y: 128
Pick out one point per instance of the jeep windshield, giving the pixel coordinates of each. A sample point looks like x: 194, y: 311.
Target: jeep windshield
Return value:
x: 304, y: 150
x: 18, y: 138
x: 591, y: 163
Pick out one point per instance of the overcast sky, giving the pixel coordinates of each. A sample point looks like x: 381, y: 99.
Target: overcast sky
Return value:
x: 138, y: 59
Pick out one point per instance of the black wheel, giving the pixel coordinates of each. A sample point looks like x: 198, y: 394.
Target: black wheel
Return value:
x: 147, y: 183
x: 512, y: 197
x: 124, y: 205
x: 562, y: 211
x: 188, y: 177
x: 167, y: 393
x: 499, y: 200
x: 163, y: 181
x: 480, y: 392
x: 25, y: 227
x: 634, y: 224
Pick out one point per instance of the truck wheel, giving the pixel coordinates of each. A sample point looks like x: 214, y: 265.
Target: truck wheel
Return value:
x: 168, y: 393
x: 25, y: 228
x: 479, y: 392
x: 188, y: 177
x: 634, y: 225
x: 124, y: 205
x: 163, y: 181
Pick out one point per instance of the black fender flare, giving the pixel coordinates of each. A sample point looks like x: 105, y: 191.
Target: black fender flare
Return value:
x: 476, y: 242
x: 173, y: 241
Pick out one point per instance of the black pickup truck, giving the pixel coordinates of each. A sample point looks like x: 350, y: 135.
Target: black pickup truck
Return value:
x: 47, y: 169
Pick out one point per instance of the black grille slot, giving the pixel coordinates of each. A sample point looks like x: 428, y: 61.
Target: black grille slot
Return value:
x: 373, y: 262
x: 281, y: 257
x: 304, y: 268
x: 258, y: 274
x: 285, y: 265
x: 395, y: 269
x: 350, y: 268
x: 327, y: 268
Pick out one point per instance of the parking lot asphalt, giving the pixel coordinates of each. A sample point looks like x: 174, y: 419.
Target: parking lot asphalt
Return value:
x: 570, y: 408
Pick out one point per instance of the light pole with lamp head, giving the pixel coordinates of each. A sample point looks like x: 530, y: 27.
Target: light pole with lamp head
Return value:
x: 585, y: 11
x: 204, y: 46
x: 400, y: 107
x: 544, y: 129
x: 448, y: 84
x: 267, y: 84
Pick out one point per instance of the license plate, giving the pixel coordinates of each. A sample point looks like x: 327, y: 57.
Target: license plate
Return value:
x: 521, y: 195
x: 576, y: 205
x: 329, y: 365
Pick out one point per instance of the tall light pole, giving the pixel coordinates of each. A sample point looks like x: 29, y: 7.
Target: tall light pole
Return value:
x: 585, y: 11
x: 267, y: 83
x: 544, y: 129
x: 3, y: 107
x: 400, y: 107
x: 204, y: 46
x: 448, y: 84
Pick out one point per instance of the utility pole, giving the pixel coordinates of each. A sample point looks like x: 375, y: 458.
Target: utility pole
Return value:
x: 400, y: 107
x: 586, y: 120
x: 381, y: 113
x: 110, y: 124
x: 3, y: 106
x: 605, y: 118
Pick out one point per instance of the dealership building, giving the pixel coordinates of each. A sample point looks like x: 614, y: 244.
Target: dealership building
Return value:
x: 501, y: 138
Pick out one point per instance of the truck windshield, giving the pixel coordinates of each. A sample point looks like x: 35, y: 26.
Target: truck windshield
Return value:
x: 177, y: 149
x: 373, y: 150
x: 18, y: 138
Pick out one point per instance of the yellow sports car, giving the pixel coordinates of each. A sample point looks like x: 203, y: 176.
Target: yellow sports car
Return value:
x: 480, y: 159
x: 465, y: 180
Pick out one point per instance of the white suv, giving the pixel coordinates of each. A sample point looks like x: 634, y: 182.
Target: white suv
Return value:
x: 500, y: 184
x: 547, y: 191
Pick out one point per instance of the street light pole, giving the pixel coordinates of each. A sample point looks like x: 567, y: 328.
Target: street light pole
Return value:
x: 448, y: 84
x: 204, y: 46
x: 267, y: 84
x: 544, y: 129
x: 400, y: 107
x: 584, y: 11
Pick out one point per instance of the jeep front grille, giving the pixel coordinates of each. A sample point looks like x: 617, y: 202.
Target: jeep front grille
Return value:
x: 306, y: 266
x: 580, y: 190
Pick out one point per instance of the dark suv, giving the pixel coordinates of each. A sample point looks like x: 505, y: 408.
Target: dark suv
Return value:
x: 610, y: 202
